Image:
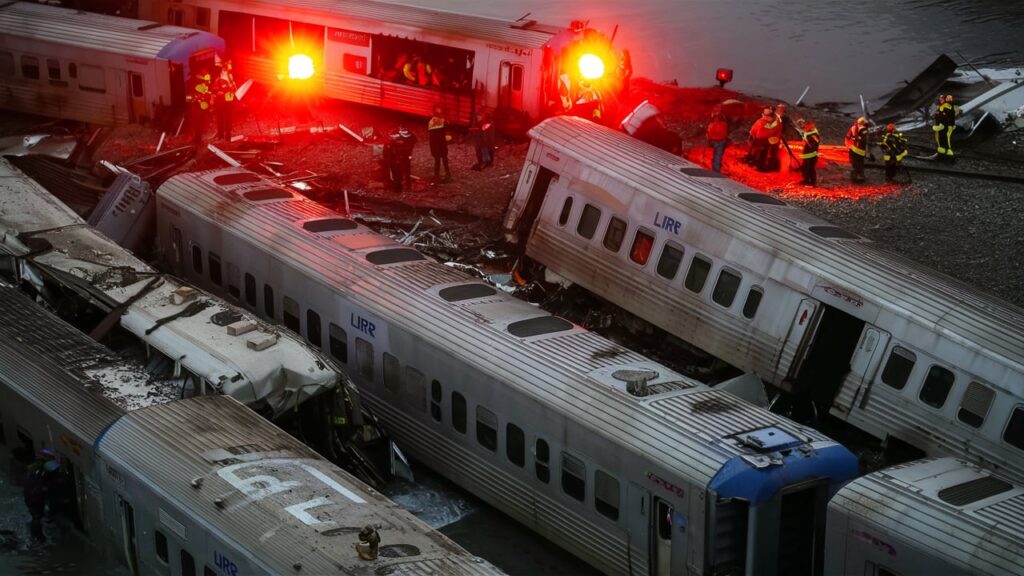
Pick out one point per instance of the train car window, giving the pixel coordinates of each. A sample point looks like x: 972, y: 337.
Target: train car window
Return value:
x: 30, y: 67
x: 415, y: 389
x: 517, y: 77
x: 563, y: 217
x: 233, y: 290
x: 269, y: 34
x: 188, y: 564
x: 53, y: 69
x: 268, y: 301
x: 435, y: 400
x: 267, y: 194
x: 313, y: 332
x: 975, y: 404
x: 161, y: 546
x: 897, y: 369
x: 392, y: 374
x: 753, y: 301
x: 936, y: 386
x: 137, y: 91
x: 72, y: 70
x: 337, y: 342
x: 726, y: 288
x: 175, y: 16
x: 1014, y: 433
x: 197, y: 259
x: 588, y: 221
x: 606, y: 494
x: 459, y: 412
x: 515, y: 444
x: 250, y: 290
x: 202, y: 18
x: 92, y: 79
x: 574, y: 476
x: 214, y: 262
x: 668, y: 263
x: 291, y: 315
x: 6, y: 64
x: 364, y: 359
x: 207, y: 571
x: 614, y: 234
x: 486, y: 428
x: 697, y: 274
x: 542, y: 455
x: 641, y: 250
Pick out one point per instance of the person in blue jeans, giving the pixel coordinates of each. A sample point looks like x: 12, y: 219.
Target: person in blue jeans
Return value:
x: 718, y: 138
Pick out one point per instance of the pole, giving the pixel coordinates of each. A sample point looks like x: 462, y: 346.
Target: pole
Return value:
x: 801, y: 98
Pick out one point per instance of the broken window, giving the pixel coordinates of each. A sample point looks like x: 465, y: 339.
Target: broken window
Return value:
x: 698, y: 274
x: 726, y: 287
x: 588, y: 221
x: 641, y: 250
x: 421, y: 64
x: 291, y: 315
x: 936, y: 386
x: 615, y: 233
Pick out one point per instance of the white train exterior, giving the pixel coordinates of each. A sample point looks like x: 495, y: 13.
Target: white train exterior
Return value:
x: 196, y: 486
x: 524, y: 409
x: 939, y: 516
x: 358, y: 48
x: 103, y: 70
x: 891, y: 347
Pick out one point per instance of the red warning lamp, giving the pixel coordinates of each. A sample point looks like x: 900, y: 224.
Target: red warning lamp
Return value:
x: 723, y: 75
x: 300, y: 67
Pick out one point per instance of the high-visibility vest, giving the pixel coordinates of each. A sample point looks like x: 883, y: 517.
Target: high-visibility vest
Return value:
x: 811, y: 142
x: 856, y: 140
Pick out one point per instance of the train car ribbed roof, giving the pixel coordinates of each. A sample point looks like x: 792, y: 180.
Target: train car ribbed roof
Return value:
x: 904, y: 502
x: 669, y: 432
x: 901, y: 286
x: 88, y: 30
x: 48, y: 360
x: 199, y: 453
x: 401, y: 16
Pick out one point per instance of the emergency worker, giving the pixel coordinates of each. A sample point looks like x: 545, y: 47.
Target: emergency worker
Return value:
x: 809, y: 155
x: 201, y: 99
x: 761, y: 133
x: 224, y: 92
x: 718, y: 139
x: 39, y: 487
x: 588, y: 102
x: 437, y: 132
x: 894, y: 150
x: 943, y: 125
x: 857, y: 144
x: 405, y: 143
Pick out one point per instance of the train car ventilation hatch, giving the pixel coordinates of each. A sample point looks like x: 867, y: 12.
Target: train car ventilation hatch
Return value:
x: 770, y: 439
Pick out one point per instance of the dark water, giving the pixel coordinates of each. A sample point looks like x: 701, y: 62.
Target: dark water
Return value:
x: 840, y: 48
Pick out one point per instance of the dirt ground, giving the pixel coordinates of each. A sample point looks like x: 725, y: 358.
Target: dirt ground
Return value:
x: 966, y: 228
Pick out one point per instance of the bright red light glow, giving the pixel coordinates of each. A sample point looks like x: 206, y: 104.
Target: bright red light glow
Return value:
x: 300, y: 67
x: 591, y: 67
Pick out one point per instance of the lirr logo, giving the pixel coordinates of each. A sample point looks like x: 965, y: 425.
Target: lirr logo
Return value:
x: 224, y: 564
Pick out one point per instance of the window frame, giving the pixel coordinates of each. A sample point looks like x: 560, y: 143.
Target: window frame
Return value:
x: 24, y: 66
x: 519, y: 445
x: 566, y: 212
x: 614, y: 234
x: 250, y: 289
x: 705, y: 260
x: 589, y: 208
x: 754, y: 289
x: 335, y: 345
x: 650, y: 249
x: 314, y: 328
x: 213, y: 264
x: 611, y: 512
x: 392, y: 374
x: 460, y: 410
x: 364, y: 360
x: 486, y: 428
x: 570, y: 478
x: 1018, y: 409
x: 268, y: 301
x: 739, y: 283
x: 936, y: 368
x: 669, y: 245
x: 909, y: 373
x: 290, y: 311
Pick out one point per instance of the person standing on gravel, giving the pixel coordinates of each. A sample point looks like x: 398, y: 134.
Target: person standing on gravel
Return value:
x: 406, y: 143
x: 718, y: 139
x: 437, y: 131
x: 894, y: 150
x: 809, y: 156
x: 944, y: 124
x: 857, y: 144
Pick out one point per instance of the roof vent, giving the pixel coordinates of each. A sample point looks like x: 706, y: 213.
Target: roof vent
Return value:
x: 183, y: 294
x: 974, y: 490
x: 537, y: 326
x: 758, y: 198
x: 700, y: 172
x: 394, y: 256
x: 266, y: 194
x: 232, y: 178
x: 329, y: 225
x: 225, y: 317
x: 636, y: 380
x: 466, y: 292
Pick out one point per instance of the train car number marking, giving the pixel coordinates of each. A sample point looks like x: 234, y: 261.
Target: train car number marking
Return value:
x: 362, y: 324
x: 667, y: 222
x: 225, y: 564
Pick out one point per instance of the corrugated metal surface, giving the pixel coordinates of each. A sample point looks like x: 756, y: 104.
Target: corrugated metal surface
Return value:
x: 28, y: 21
x: 901, y: 504
x: 904, y: 288
x: 367, y: 15
x: 42, y: 357
x: 531, y: 367
x: 217, y: 439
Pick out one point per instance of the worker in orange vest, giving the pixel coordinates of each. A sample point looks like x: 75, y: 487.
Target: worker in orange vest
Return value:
x: 767, y: 127
x: 718, y: 139
x: 809, y: 156
x: 201, y: 99
x: 857, y: 144
x: 224, y: 90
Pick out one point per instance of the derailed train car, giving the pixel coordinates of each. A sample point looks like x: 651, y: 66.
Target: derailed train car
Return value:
x: 617, y: 459
x: 891, y: 347
x: 103, y: 70
x: 936, y: 516
x: 410, y: 59
x: 201, y: 485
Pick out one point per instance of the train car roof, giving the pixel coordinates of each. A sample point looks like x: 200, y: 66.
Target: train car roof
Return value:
x: 47, y: 233
x: 944, y: 504
x: 988, y: 324
x: 560, y: 364
x: 266, y: 493
x: 77, y: 381
x: 114, y: 34
x: 407, y: 19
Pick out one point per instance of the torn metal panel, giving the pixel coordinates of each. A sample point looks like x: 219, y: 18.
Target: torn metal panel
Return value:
x: 919, y: 92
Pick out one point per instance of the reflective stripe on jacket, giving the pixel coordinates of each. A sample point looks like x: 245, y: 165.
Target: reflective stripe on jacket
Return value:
x: 811, y: 142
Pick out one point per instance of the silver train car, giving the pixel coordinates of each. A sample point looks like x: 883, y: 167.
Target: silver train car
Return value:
x: 887, y: 345
x: 103, y: 70
x: 196, y: 486
x: 939, y: 516
x: 627, y: 465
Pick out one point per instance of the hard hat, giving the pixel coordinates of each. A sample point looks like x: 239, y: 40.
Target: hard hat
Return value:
x: 862, y: 121
x: 949, y: 98
x: 890, y: 128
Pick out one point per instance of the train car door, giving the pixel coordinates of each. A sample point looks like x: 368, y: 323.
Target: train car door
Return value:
x: 823, y: 358
x: 136, y: 97
x: 661, y: 545
x: 639, y: 528
x: 866, y: 360
x: 510, y: 85
x: 129, y: 542
x: 791, y: 350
